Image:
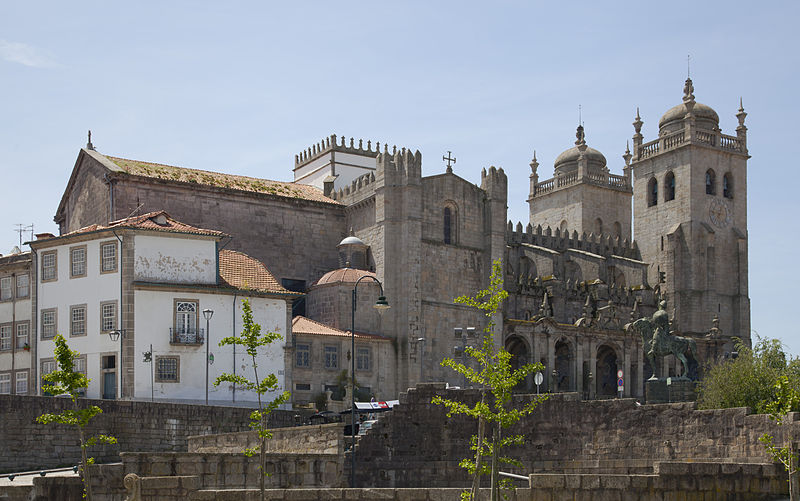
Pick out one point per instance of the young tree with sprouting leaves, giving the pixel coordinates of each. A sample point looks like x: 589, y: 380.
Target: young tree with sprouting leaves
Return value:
x: 66, y: 381
x: 787, y: 398
x: 252, y: 340
x: 496, y: 378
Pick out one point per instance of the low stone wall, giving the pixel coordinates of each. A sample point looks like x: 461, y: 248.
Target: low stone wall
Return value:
x: 138, y: 426
x: 417, y: 445
x: 315, y: 439
x: 235, y: 470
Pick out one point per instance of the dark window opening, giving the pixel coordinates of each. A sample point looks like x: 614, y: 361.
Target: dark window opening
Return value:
x: 652, y: 192
x: 299, y: 304
x: 447, y: 225
x: 669, y: 187
x: 710, y: 183
x: 727, y: 186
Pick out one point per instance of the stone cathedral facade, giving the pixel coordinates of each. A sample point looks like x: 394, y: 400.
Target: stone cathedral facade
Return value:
x: 599, y: 248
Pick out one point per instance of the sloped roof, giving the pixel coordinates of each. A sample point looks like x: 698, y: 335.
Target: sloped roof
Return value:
x: 303, y: 325
x: 343, y: 275
x: 241, y: 271
x: 156, y: 221
x: 220, y: 180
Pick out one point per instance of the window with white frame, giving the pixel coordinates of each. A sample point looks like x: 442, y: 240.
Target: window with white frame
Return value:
x: 48, y: 365
x: 79, y: 364
x: 21, y: 380
x: 22, y: 335
x: 49, y: 266
x: 5, y: 337
x: 77, y: 326
x: 77, y: 262
x: 5, y: 383
x: 168, y: 369
x: 49, y: 323
x: 23, y: 285
x: 331, y: 357
x: 363, y: 361
x: 108, y: 316
x: 303, y: 355
x: 108, y: 257
x: 186, y: 317
x: 5, y: 289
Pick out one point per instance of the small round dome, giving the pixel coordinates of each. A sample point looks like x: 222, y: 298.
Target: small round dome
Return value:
x: 572, y: 154
x: 343, y: 275
x: 705, y: 115
x: 352, y: 240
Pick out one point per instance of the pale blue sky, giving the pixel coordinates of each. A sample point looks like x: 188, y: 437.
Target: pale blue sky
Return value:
x: 242, y: 87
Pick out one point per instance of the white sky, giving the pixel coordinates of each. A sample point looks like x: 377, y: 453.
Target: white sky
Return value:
x: 241, y: 87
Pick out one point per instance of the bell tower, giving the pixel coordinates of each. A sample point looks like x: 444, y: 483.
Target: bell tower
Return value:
x: 690, y: 216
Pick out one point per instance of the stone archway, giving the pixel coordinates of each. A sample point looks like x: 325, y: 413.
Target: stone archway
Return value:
x: 563, y: 362
x: 520, y: 355
x: 606, y: 372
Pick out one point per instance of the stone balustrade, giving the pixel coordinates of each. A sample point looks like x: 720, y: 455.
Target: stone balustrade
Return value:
x: 677, y: 139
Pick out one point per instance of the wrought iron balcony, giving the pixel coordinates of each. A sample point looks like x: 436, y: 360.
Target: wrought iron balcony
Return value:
x: 186, y: 336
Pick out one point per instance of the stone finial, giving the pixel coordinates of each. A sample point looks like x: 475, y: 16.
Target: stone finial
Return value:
x: 637, y: 123
x: 627, y: 156
x: 688, y: 91
x: 534, y: 163
x: 741, y: 116
x: 544, y: 309
x: 715, y: 332
x: 580, y: 135
x: 89, y: 145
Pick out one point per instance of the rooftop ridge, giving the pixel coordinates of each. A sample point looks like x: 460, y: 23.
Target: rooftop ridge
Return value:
x: 602, y: 244
x: 330, y: 144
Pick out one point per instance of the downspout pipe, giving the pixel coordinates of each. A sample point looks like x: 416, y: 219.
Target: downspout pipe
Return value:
x: 122, y: 336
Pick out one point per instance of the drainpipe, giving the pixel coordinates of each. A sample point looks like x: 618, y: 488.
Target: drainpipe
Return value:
x: 233, y: 318
x: 14, y: 330
x: 122, y: 340
x: 33, y: 336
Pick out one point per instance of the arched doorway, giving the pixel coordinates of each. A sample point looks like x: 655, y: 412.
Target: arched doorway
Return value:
x: 563, y: 366
x: 606, y: 373
x: 520, y: 356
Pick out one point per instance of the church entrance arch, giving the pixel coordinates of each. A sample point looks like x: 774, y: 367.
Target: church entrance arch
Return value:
x: 520, y: 355
x: 563, y: 367
x: 606, y: 373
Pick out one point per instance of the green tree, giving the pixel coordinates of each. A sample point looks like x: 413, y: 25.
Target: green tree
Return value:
x: 496, y: 379
x: 750, y: 379
x: 787, y: 398
x: 65, y: 380
x: 252, y: 340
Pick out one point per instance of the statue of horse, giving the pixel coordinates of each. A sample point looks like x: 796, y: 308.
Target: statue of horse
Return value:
x: 658, y: 342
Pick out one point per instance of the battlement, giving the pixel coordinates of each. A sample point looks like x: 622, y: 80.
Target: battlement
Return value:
x: 603, y: 245
x: 329, y: 144
x: 494, y: 181
x: 399, y: 165
x: 362, y: 187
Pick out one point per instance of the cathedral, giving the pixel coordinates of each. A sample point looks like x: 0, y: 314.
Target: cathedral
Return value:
x: 599, y: 250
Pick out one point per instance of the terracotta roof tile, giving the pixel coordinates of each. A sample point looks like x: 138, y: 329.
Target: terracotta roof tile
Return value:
x: 346, y: 275
x: 241, y: 271
x: 158, y: 221
x: 221, y: 180
x: 303, y: 325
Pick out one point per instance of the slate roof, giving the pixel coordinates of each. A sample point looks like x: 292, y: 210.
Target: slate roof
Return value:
x: 220, y: 180
x: 149, y: 221
x: 241, y: 271
x: 303, y: 325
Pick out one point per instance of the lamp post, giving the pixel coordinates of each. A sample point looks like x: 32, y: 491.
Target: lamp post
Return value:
x: 118, y: 334
x: 381, y: 305
x: 207, y: 314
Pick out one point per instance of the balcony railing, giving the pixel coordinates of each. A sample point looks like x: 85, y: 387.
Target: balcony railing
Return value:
x: 186, y: 336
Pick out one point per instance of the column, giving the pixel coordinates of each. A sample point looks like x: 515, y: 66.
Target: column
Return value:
x: 593, y: 367
x: 627, y: 367
x: 640, y: 372
x: 579, y: 364
x: 551, y: 362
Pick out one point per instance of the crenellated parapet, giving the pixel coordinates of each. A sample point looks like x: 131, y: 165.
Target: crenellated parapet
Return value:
x: 494, y: 181
x: 335, y: 143
x: 399, y: 166
x: 359, y: 189
x: 603, y: 244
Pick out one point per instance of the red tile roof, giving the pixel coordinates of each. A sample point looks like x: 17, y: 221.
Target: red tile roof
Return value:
x: 346, y: 275
x: 158, y: 221
x: 220, y: 180
x: 303, y: 325
x: 241, y: 271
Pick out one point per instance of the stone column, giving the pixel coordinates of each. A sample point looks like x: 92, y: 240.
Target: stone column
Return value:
x: 551, y: 361
x: 639, y: 373
x: 626, y: 368
x: 579, y: 364
x: 593, y: 367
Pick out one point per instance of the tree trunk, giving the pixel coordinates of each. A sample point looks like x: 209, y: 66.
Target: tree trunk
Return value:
x: 794, y: 480
x: 476, y: 479
x: 495, y: 441
x: 87, y: 484
x: 263, y: 456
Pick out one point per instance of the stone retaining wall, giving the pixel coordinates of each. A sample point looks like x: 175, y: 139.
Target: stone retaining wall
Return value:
x: 138, y: 426
x: 314, y: 439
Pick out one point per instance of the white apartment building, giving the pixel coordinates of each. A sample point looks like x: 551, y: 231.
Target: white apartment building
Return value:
x: 132, y: 298
x: 15, y: 323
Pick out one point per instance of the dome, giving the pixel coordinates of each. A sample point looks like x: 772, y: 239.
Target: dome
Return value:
x: 572, y: 154
x: 343, y: 275
x: 701, y: 111
x: 352, y: 240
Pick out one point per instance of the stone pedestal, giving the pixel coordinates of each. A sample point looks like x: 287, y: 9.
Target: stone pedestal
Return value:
x: 657, y: 391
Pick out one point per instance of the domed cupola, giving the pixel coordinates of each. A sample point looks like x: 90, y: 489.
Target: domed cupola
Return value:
x: 352, y: 252
x: 567, y: 162
x: 705, y: 116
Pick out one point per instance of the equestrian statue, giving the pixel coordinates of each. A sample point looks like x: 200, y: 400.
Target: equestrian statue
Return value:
x: 658, y: 340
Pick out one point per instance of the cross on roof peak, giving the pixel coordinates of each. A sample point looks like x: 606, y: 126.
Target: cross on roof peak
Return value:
x: 449, y: 159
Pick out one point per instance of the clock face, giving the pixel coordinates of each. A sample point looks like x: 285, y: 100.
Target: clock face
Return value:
x: 719, y: 213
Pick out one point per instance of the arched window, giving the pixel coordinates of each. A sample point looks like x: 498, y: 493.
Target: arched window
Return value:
x: 727, y: 185
x: 652, y: 192
x: 669, y: 187
x: 617, y: 229
x: 563, y: 227
x: 598, y: 226
x: 448, y: 223
x: 711, y: 183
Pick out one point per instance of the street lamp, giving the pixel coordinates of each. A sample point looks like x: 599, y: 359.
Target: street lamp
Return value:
x: 118, y: 334
x: 381, y: 305
x: 207, y: 314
